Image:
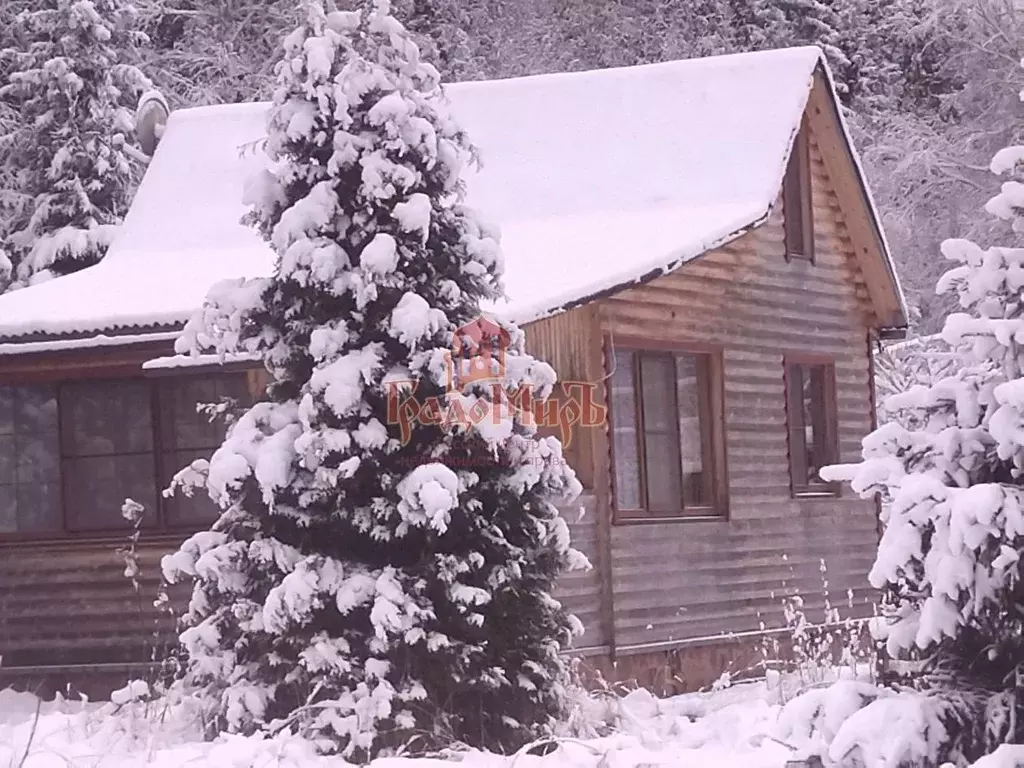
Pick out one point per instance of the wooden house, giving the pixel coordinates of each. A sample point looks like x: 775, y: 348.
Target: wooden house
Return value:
x: 695, y: 237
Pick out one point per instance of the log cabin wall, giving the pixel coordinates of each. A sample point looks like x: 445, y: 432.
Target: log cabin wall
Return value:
x: 674, y: 581
x: 64, y: 599
x: 570, y: 343
x: 68, y: 604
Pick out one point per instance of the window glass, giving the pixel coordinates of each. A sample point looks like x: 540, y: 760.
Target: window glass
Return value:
x: 661, y: 432
x: 29, y: 460
x: 108, y: 452
x: 797, y: 209
x: 811, y: 414
x: 624, y: 433
x: 694, y: 397
x: 105, y: 418
x: 97, y: 486
x: 70, y: 454
x: 815, y: 420
x: 188, y: 433
x: 664, y: 446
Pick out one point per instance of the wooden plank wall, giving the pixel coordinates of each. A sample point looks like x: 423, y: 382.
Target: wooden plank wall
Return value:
x: 567, y: 341
x: 696, y: 579
x: 579, y: 591
x: 69, y: 603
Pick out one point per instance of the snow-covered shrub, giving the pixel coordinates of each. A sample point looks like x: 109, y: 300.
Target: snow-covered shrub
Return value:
x: 951, y: 469
x: 903, y: 365
x: 859, y: 725
x: 367, y: 586
x: 72, y: 173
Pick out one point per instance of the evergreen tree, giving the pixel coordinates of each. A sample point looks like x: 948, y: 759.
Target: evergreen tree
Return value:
x: 950, y: 468
x: 66, y: 152
x: 439, y: 27
x: 371, y: 583
x: 817, y: 22
x: 756, y: 25
x: 899, y: 54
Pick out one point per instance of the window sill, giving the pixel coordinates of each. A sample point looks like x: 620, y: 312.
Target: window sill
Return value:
x: 816, y: 494
x: 641, y: 518
x: 807, y: 257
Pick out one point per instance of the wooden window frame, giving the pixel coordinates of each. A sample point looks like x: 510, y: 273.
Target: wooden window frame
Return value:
x: 798, y: 172
x: 155, y: 530
x: 718, y: 511
x: 804, y: 489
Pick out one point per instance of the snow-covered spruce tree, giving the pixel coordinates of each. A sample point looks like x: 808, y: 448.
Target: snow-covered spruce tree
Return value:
x: 756, y: 25
x: 369, y: 586
x: 72, y: 93
x: 817, y: 22
x: 951, y: 471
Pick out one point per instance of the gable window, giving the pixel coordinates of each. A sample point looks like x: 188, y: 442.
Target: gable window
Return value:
x: 667, y: 440
x: 71, y: 453
x: 812, y: 424
x: 797, y: 210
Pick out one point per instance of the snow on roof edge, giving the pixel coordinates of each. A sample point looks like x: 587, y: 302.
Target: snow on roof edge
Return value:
x: 677, y: 259
x: 173, y: 362
x: 10, y: 348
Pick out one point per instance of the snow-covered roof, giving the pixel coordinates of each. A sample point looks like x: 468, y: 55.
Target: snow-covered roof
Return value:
x: 597, y: 179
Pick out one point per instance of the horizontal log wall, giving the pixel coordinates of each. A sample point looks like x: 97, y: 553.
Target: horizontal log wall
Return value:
x: 673, y: 581
x: 570, y: 342
x: 70, y: 603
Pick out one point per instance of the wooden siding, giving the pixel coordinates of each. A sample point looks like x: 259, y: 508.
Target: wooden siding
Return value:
x: 673, y: 581
x: 579, y: 591
x: 69, y: 603
x: 562, y: 341
x: 571, y: 343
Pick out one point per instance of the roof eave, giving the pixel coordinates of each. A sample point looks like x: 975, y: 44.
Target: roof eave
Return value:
x: 896, y: 317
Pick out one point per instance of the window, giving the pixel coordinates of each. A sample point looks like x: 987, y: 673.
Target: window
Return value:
x: 71, y: 453
x: 187, y: 434
x: 29, y: 460
x: 107, y: 448
x: 667, y: 440
x: 797, y: 211
x: 811, y: 415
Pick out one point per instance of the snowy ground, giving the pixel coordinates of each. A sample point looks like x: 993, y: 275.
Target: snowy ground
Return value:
x: 728, y: 729
x: 745, y: 726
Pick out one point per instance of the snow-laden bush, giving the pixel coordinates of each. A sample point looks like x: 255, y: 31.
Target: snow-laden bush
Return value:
x: 901, y: 366
x: 856, y: 724
x: 374, y: 583
x: 950, y: 468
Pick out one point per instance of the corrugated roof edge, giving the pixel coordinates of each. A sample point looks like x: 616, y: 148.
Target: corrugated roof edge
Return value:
x: 89, y: 341
x: 111, y: 333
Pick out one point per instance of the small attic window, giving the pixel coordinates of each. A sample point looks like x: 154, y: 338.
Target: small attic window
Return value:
x: 797, y: 213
